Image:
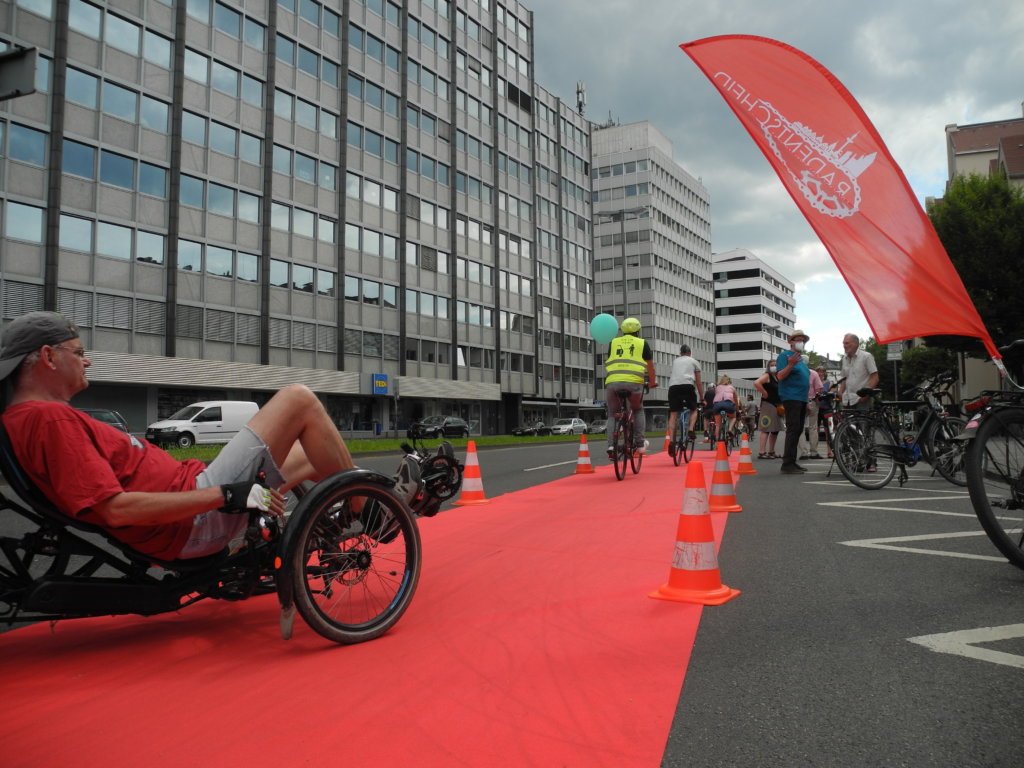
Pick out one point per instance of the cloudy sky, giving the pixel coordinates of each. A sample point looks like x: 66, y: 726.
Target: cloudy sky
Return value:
x: 914, y: 65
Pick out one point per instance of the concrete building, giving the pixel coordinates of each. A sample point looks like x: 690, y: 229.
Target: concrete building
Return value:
x: 754, y: 314
x: 375, y: 198
x: 652, y: 247
x: 984, y: 148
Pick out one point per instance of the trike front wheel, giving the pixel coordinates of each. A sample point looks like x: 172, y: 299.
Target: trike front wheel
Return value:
x: 355, y: 560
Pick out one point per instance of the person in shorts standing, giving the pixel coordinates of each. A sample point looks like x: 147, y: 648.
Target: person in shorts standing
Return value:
x: 809, y: 434
x: 683, y: 386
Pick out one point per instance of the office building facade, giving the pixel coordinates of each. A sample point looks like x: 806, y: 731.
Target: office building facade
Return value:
x: 373, y: 198
x: 754, y: 314
x: 652, y: 247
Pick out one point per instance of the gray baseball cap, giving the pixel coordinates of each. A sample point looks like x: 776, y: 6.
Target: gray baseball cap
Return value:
x: 30, y: 332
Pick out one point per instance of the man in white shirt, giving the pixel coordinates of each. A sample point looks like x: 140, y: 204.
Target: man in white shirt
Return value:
x: 858, y: 372
x: 683, y: 386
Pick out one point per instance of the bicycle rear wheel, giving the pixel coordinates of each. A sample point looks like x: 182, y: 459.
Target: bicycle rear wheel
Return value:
x: 689, y: 446
x: 712, y: 435
x: 636, y: 455
x: 947, y: 453
x: 865, y: 453
x: 995, y: 480
x: 619, y: 442
x: 355, y: 560
x: 678, y: 441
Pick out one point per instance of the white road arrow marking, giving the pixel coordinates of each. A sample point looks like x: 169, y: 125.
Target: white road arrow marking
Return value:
x: 964, y: 643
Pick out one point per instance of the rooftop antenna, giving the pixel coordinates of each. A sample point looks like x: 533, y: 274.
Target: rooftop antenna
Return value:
x: 581, y: 96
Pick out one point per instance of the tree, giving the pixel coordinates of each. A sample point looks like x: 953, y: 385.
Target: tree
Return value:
x: 920, y: 363
x: 980, y: 222
x: 885, y: 371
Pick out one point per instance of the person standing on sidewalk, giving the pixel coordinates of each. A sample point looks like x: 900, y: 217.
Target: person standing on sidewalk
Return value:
x: 794, y: 381
x: 859, y: 371
x: 809, y: 435
x: 768, y: 415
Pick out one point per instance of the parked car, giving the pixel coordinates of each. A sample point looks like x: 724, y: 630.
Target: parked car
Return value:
x: 113, y: 418
x: 211, y: 421
x: 438, y: 426
x: 597, y: 427
x: 529, y: 430
x: 569, y: 427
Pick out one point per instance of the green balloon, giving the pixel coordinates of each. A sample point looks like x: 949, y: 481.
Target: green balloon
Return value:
x: 604, y: 328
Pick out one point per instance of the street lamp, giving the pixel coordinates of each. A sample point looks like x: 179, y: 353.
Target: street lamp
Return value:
x: 621, y: 215
x: 770, y: 329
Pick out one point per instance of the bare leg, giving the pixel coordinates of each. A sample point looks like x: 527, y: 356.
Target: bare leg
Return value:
x: 296, y: 415
x: 296, y: 468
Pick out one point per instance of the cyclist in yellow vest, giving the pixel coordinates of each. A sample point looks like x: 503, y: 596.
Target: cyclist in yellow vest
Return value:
x: 630, y: 362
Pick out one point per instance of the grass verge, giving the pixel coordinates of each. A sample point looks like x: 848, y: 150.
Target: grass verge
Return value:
x: 392, y: 445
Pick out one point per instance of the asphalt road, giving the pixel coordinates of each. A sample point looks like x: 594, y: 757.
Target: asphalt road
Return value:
x: 814, y: 664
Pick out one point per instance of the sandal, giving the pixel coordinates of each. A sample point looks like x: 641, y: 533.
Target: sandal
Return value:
x: 762, y: 456
x: 772, y: 455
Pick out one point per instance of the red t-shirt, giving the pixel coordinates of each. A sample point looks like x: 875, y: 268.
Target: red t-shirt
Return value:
x: 78, y: 462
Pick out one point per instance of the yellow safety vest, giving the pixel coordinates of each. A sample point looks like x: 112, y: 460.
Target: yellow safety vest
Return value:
x: 625, y: 361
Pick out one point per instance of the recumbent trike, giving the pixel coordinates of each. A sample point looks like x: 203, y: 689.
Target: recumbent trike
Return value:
x: 347, y: 557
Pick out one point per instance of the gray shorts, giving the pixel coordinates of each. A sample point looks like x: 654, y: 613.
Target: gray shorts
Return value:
x: 240, y: 460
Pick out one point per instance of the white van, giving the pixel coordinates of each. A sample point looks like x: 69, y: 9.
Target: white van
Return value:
x: 213, y: 421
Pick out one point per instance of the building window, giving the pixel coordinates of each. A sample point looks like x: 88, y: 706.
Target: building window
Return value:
x: 79, y: 159
x: 23, y: 222
x: 113, y: 240
x: 81, y: 87
x: 26, y: 144
x: 75, y: 233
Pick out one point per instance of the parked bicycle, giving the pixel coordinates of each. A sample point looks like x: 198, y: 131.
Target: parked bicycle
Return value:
x: 623, y: 437
x: 828, y: 416
x: 871, y: 446
x: 683, y: 442
x: 347, y: 557
x: 994, y: 462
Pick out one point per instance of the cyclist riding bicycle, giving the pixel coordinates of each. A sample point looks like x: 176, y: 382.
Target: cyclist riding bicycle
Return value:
x: 724, y: 401
x: 707, y: 412
x: 683, y: 386
x: 630, y: 361
x: 145, y: 498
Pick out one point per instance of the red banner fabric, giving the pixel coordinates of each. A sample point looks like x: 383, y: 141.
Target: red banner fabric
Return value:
x: 840, y: 174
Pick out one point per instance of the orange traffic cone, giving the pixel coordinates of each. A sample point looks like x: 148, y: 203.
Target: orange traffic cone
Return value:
x: 668, y: 440
x: 723, y: 492
x: 746, y: 465
x: 694, y: 577
x: 472, y: 484
x: 583, y: 465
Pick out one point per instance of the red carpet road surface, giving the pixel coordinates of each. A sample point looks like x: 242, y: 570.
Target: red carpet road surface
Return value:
x: 531, y: 641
